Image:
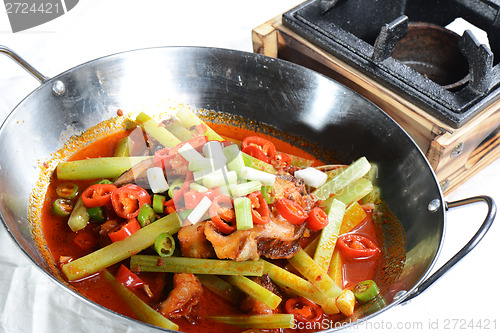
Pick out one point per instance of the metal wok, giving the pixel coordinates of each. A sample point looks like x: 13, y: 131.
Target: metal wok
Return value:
x: 277, y: 94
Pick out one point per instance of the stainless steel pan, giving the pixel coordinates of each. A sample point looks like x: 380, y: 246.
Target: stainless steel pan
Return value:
x: 268, y: 91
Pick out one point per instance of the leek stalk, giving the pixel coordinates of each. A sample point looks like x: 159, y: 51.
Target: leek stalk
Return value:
x: 93, y: 168
x: 265, y: 321
x: 158, y: 132
x: 143, y: 311
x: 315, y: 274
x: 255, y: 290
x: 118, y: 251
x: 146, y: 263
x: 351, y: 174
x: 329, y: 235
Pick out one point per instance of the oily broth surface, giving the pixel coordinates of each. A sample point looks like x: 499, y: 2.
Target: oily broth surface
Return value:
x: 386, y: 274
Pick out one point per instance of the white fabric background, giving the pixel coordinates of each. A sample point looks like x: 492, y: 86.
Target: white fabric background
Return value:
x: 31, y: 302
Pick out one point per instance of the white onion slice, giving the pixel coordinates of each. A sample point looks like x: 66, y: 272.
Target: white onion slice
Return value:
x: 311, y: 176
x: 156, y: 179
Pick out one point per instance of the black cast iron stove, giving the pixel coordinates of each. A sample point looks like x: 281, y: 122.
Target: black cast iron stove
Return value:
x: 404, y: 46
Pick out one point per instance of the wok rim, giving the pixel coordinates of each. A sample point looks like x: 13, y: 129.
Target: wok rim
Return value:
x: 255, y: 58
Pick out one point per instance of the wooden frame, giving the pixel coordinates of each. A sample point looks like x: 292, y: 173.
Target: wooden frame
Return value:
x: 454, y: 154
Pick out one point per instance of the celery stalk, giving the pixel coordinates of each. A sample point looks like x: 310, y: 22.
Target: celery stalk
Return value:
x: 266, y: 321
x: 243, y: 189
x: 255, y: 163
x: 93, y: 168
x: 352, y: 173
x: 335, y: 270
x: 158, y: 132
x: 352, y: 193
x: 315, y: 274
x: 118, y: 251
x: 298, y: 286
x: 255, y: 290
x: 146, y: 263
x: 220, y: 287
x: 143, y: 311
x: 181, y: 133
x: 188, y: 119
x: 123, y: 148
x: 329, y: 235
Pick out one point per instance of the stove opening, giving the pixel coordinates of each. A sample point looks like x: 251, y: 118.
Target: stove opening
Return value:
x: 433, y: 51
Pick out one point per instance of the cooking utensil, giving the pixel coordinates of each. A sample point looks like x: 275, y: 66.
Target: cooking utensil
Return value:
x: 275, y: 94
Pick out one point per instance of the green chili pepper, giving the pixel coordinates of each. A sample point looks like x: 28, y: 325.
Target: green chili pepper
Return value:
x: 183, y: 214
x: 146, y: 215
x: 268, y: 193
x: 67, y: 190
x: 62, y: 207
x: 158, y: 201
x: 96, y: 213
x: 176, y: 185
x: 365, y: 291
x: 164, y: 245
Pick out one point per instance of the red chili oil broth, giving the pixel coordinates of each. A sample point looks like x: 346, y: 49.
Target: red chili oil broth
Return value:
x: 59, y: 238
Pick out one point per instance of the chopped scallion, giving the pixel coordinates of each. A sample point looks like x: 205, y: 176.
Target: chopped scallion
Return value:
x: 213, y: 149
x: 158, y: 201
x: 243, y: 212
x: 243, y: 189
x: 311, y: 176
x: 253, y: 174
x: 189, y: 153
x: 200, y: 210
x: 219, y: 178
x: 198, y: 188
x: 156, y: 179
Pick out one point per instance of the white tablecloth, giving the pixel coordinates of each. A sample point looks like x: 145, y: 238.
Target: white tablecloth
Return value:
x: 31, y: 302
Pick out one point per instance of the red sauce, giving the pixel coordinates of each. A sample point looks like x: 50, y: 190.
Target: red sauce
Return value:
x: 59, y: 239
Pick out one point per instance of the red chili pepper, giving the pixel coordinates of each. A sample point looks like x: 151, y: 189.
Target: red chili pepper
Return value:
x: 222, y: 214
x: 163, y: 156
x: 125, y: 230
x: 317, y: 219
x: 260, y: 209
x: 291, y: 211
x: 128, y: 200
x: 192, y: 198
x: 179, y: 194
x: 97, y: 195
x: 303, y: 310
x: 357, y: 247
x: 281, y: 161
x: 85, y: 240
x: 127, y: 278
x: 259, y: 148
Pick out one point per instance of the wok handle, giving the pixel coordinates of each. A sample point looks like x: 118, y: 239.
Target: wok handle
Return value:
x: 23, y: 63
x: 467, y: 248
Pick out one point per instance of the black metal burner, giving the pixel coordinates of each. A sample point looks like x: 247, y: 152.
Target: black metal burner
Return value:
x: 404, y: 46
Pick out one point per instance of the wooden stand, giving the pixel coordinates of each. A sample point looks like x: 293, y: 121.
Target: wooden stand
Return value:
x: 454, y: 154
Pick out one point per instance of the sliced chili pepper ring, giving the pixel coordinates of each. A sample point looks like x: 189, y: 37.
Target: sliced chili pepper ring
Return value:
x: 317, y: 219
x: 259, y: 148
x: 303, y: 310
x: 357, y: 247
x: 291, y: 211
x: 128, y: 200
x: 366, y: 291
x: 222, y: 214
x: 97, y: 195
x: 260, y: 209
